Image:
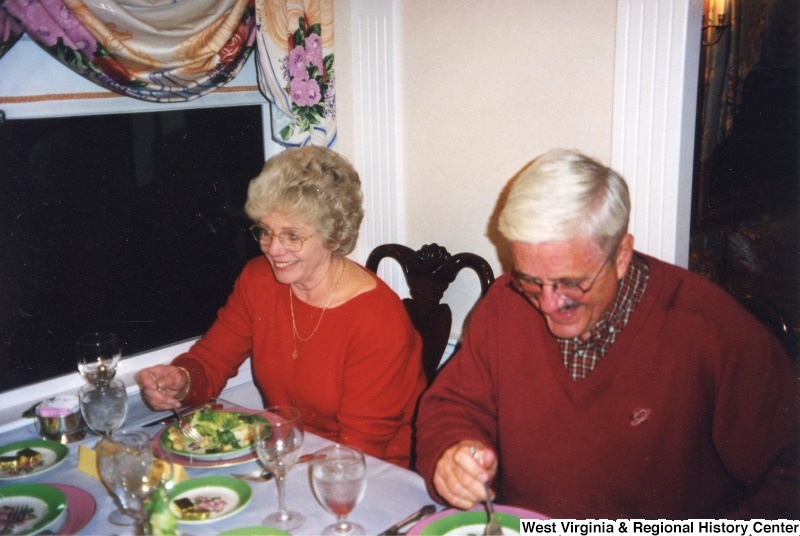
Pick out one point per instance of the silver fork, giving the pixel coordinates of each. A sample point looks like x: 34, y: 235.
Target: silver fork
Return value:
x: 187, y: 429
x: 492, y: 525
x: 17, y: 514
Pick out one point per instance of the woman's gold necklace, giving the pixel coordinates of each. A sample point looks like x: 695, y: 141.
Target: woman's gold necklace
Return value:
x: 295, y: 335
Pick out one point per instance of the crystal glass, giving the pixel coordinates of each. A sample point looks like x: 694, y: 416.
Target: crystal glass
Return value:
x: 104, y: 406
x: 123, y: 515
x: 138, y: 472
x: 278, y: 439
x: 98, y: 356
x: 339, y: 478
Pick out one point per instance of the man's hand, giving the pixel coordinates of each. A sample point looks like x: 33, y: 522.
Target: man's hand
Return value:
x: 459, y: 475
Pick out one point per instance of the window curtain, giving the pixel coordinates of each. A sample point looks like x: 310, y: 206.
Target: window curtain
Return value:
x: 179, y: 50
x: 153, y: 51
x: 10, y: 31
x: 295, y: 69
x: 729, y: 61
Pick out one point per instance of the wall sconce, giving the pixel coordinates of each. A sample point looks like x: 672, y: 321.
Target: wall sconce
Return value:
x: 712, y: 32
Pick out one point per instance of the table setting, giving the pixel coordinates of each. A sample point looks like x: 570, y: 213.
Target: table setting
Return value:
x: 103, y: 463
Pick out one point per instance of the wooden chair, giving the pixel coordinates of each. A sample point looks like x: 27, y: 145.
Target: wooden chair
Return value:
x: 428, y: 272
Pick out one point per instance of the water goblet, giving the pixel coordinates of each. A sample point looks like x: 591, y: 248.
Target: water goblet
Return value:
x: 339, y: 478
x: 138, y: 472
x: 98, y: 355
x: 123, y: 515
x: 104, y: 406
x: 278, y: 436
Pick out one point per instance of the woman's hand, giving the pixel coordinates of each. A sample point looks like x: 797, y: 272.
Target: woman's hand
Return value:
x: 161, y: 386
x: 460, y: 474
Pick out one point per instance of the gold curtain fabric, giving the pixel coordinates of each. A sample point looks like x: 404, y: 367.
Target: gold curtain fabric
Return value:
x: 179, y: 50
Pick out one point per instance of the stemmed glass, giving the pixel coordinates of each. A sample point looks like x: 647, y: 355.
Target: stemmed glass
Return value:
x: 138, y: 472
x: 104, y: 406
x: 339, y: 478
x: 98, y: 356
x: 123, y: 515
x: 278, y: 439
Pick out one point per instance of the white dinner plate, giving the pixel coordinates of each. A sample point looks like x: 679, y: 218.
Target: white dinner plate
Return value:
x: 45, y: 507
x: 53, y: 453
x: 221, y: 496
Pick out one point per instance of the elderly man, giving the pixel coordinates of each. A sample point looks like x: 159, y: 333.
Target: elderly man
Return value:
x: 599, y: 382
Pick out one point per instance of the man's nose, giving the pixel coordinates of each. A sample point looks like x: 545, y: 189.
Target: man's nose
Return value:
x: 549, y: 300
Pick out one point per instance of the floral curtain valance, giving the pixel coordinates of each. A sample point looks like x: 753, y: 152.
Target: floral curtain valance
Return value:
x: 179, y: 50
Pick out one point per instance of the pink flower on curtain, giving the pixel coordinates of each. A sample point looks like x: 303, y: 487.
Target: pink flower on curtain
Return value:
x: 313, y: 51
x: 308, y: 84
x: 10, y: 32
x: 297, y: 64
x: 305, y: 92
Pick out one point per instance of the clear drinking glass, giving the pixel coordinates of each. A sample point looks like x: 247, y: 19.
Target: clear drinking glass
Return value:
x: 138, y: 472
x: 98, y: 355
x: 123, y: 515
x: 104, y: 406
x: 339, y: 479
x: 278, y: 438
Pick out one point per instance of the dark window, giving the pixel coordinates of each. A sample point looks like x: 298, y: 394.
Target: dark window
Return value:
x: 129, y: 223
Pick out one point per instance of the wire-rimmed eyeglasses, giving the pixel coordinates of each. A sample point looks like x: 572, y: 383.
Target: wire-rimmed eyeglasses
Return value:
x: 531, y: 288
x: 290, y: 240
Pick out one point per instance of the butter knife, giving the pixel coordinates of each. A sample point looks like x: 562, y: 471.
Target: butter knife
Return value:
x: 416, y: 516
x: 170, y: 418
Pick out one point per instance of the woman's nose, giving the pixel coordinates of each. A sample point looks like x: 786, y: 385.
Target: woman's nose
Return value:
x: 275, y: 248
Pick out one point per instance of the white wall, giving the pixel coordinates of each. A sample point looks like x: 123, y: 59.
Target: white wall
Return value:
x: 467, y: 94
x: 486, y: 89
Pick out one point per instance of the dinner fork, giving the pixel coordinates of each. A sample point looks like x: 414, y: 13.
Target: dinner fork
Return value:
x: 187, y: 429
x: 492, y: 525
x: 17, y: 514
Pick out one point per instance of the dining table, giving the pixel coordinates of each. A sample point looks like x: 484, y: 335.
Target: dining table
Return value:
x: 392, y: 492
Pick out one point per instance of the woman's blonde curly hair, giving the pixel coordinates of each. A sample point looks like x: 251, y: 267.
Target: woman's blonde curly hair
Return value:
x: 314, y: 185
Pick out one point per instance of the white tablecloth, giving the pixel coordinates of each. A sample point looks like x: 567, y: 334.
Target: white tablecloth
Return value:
x: 391, y: 494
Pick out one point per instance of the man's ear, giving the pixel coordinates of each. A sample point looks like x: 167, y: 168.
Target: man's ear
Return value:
x: 624, y: 255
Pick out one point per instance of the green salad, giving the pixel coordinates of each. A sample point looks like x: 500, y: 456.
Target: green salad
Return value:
x: 222, y: 431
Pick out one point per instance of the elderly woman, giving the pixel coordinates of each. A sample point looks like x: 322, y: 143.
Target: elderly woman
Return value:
x: 325, y: 335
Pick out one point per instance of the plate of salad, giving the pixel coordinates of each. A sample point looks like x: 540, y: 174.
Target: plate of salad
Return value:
x: 226, y: 435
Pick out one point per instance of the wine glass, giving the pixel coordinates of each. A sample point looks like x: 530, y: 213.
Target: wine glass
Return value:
x: 104, y: 406
x: 123, y: 515
x: 278, y: 436
x: 138, y: 472
x: 98, y: 356
x: 339, y: 478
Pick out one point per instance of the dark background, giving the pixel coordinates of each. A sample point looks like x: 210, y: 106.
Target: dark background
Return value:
x: 128, y: 223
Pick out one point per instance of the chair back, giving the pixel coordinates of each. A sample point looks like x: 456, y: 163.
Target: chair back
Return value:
x: 428, y: 272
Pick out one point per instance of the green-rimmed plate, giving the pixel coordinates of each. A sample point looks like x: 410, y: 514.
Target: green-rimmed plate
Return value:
x: 53, y: 453
x: 466, y: 523
x: 198, y: 453
x: 222, y: 496
x: 254, y: 531
x: 45, y: 506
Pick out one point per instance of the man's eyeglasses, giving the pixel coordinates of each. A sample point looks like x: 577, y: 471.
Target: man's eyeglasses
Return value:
x: 531, y: 288
x: 290, y: 240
